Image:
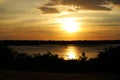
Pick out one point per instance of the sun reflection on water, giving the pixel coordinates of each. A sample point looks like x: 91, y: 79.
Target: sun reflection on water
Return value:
x: 70, y: 53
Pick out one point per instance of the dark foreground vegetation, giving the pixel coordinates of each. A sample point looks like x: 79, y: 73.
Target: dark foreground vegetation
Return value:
x: 107, y: 61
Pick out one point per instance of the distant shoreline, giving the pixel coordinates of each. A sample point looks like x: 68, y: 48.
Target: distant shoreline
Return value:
x: 54, y: 42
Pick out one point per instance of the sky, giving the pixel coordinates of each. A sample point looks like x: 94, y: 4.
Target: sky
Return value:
x: 59, y: 19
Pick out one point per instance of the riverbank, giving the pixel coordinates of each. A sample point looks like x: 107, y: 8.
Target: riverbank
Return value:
x: 27, y: 75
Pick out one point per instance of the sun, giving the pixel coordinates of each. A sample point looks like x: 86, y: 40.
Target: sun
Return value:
x: 69, y: 25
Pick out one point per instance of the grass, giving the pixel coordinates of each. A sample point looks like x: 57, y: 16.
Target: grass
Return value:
x: 25, y: 75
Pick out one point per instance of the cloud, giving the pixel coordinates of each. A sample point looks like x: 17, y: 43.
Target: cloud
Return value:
x: 2, y: 1
x: 71, y: 10
x: 87, y: 4
x: 116, y: 2
x: 48, y: 10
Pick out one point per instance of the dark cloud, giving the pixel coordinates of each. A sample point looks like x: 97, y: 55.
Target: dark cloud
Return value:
x: 48, y: 10
x: 87, y: 4
x: 71, y: 10
x: 116, y: 2
x: 50, y: 4
x: 30, y: 20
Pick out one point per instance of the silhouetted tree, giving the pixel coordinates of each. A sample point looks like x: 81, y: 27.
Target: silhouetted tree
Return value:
x: 6, y: 56
x: 83, y: 57
x: 109, y: 59
x: 23, y: 61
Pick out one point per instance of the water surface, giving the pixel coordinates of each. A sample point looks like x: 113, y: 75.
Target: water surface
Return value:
x: 64, y: 51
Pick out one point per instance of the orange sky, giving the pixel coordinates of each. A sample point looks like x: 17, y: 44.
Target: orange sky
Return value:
x: 59, y: 20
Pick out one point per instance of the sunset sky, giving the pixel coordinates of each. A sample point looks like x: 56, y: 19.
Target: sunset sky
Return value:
x: 59, y: 19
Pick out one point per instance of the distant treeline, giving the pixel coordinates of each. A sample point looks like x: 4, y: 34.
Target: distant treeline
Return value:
x: 53, y: 42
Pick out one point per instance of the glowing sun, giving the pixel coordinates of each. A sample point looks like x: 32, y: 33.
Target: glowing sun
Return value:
x: 69, y: 25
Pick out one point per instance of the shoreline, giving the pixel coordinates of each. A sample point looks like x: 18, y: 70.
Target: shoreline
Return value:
x: 28, y: 75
